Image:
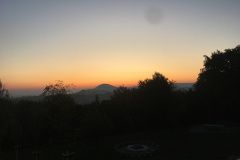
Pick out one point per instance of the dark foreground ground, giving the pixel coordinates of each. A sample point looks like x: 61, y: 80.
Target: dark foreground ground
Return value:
x: 175, y: 144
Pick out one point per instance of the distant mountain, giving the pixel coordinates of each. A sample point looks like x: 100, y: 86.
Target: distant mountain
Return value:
x: 184, y: 86
x: 100, y: 89
x: 105, y: 87
x: 103, y: 91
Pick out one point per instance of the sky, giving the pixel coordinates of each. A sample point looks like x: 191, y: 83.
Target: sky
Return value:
x: 119, y: 42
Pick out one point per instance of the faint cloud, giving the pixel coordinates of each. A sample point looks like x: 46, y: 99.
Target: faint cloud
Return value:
x: 153, y: 15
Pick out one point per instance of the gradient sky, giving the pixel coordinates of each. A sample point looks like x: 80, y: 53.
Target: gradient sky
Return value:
x: 89, y: 42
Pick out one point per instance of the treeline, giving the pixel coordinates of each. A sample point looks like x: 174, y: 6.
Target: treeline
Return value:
x: 155, y: 104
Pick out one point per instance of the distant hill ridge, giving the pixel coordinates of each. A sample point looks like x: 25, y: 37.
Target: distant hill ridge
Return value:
x: 100, y: 89
x: 111, y: 88
x: 106, y: 87
x: 103, y: 91
x: 103, y: 88
x: 184, y: 86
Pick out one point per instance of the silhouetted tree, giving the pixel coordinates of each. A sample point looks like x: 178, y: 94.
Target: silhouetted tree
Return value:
x: 5, y: 114
x: 4, y: 94
x: 155, y: 95
x: 157, y: 88
x: 149, y: 106
x: 158, y: 82
x: 220, y: 73
x: 57, y: 93
x: 218, y: 83
x: 61, y: 112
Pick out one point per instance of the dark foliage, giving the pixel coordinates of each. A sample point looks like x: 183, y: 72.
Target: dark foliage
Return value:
x: 218, y: 87
x: 3, y: 92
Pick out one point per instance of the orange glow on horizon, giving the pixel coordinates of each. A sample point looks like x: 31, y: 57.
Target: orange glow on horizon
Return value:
x: 91, y: 83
